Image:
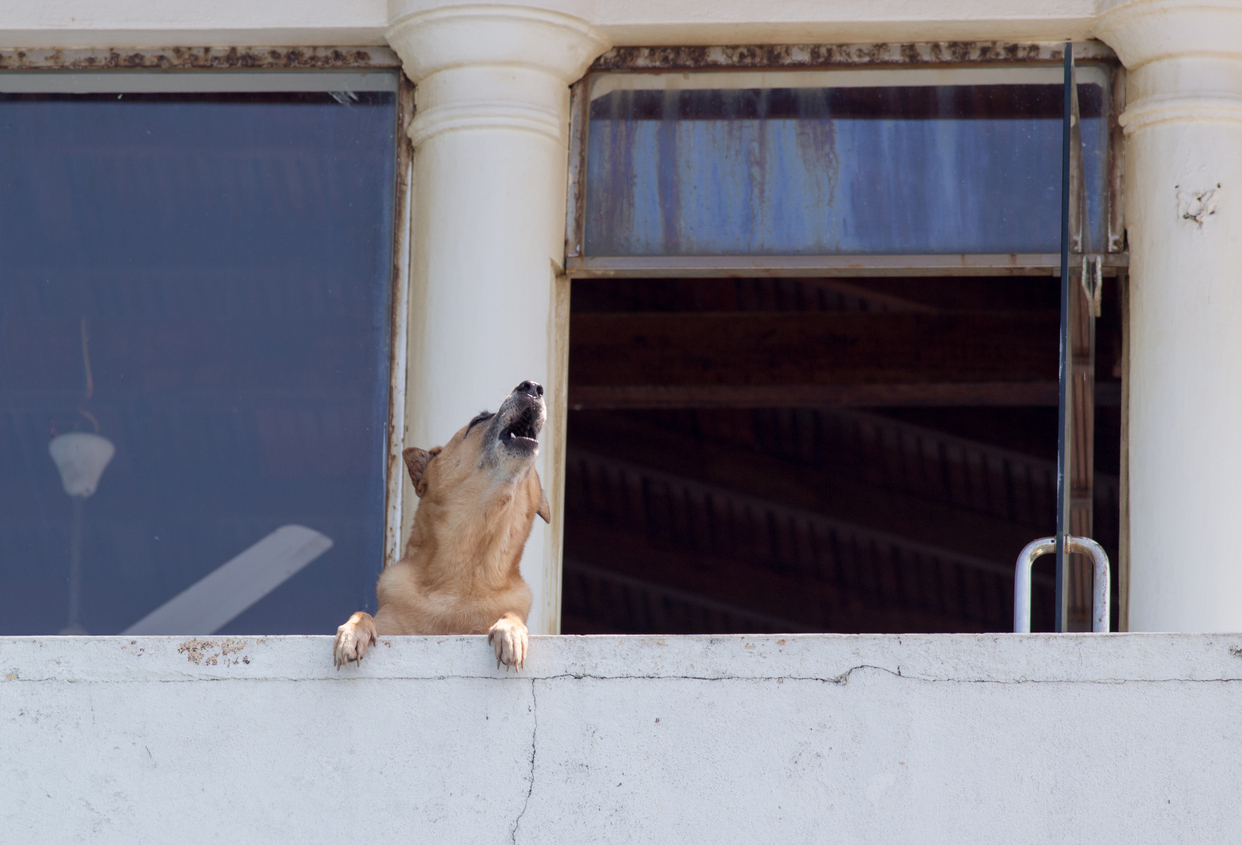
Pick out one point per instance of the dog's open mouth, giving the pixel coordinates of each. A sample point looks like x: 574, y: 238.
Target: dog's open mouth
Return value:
x: 523, y: 430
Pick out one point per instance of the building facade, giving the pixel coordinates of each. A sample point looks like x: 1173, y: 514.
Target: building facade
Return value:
x: 485, y: 228
x: 459, y: 201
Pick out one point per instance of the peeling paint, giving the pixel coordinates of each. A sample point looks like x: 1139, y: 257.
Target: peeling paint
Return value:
x: 1197, y: 205
x: 828, y: 55
x: 211, y: 652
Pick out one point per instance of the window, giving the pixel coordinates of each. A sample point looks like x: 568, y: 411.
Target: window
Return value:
x: 836, y: 162
x: 814, y: 345
x: 196, y: 290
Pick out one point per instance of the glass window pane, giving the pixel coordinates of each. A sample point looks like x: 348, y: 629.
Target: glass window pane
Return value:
x: 836, y: 162
x: 203, y: 281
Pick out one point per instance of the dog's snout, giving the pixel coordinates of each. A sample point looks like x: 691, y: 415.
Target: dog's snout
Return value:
x: 530, y: 388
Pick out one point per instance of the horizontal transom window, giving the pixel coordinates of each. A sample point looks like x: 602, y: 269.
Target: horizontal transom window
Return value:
x: 836, y: 162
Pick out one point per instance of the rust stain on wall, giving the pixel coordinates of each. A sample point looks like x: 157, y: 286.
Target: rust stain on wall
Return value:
x: 200, y: 58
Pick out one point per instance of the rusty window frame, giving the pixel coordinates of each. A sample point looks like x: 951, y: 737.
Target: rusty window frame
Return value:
x: 830, y: 57
x: 184, y: 69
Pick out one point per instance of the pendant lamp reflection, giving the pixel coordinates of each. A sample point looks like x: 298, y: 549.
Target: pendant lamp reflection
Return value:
x: 81, y: 458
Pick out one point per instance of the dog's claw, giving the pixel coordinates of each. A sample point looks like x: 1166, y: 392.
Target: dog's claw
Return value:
x: 509, y: 638
x: 353, y: 639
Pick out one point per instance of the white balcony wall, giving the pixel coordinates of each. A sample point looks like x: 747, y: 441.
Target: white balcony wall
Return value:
x: 962, y: 739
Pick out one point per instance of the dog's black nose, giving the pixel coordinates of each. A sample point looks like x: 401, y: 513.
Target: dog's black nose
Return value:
x: 531, y: 388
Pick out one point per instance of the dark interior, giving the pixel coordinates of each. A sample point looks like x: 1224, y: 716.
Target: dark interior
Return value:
x: 820, y: 454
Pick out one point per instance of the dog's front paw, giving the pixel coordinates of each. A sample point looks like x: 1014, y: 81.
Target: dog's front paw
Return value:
x: 509, y: 640
x: 353, y: 638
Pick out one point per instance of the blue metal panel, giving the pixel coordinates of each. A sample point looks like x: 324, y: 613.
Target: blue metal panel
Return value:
x: 821, y: 171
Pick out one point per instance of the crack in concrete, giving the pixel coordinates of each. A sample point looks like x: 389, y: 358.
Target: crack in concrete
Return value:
x: 841, y: 679
x: 534, y: 738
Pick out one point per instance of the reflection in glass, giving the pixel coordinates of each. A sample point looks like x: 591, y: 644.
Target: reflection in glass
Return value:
x: 204, y: 282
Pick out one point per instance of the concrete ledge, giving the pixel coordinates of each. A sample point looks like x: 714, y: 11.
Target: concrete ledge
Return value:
x: 969, y: 658
x: 955, y: 738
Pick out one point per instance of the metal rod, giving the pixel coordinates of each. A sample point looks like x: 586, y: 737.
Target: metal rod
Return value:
x: 1022, y: 582
x: 1102, y: 587
x: 73, y: 624
x: 1102, y: 593
x: 1064, y: 412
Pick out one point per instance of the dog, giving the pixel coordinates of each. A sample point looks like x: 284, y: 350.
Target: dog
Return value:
x: 479, y: 495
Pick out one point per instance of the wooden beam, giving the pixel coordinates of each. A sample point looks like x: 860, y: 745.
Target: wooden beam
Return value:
x: 584, y: 397
x: 905, y: 293
x: 949, y: 293
x: 875, y: 295
x: 1082, y: 452
x: 801, y: 348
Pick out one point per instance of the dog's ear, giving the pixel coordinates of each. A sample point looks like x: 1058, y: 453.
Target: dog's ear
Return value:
x: 545, y: 510
x: 416, y: 461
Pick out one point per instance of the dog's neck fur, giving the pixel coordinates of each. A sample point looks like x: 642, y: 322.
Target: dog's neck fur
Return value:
x: 465, y: 557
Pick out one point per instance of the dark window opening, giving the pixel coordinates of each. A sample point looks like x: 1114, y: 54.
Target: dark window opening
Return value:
x: 820, y: 455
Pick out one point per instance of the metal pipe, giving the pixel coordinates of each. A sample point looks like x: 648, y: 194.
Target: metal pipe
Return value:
x: 1022, y: 582
x: 1065, y: 376
x: 1102, y: 593
x: 1100, y: 600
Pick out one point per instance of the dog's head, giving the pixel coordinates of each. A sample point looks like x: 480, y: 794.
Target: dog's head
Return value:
x: 488, y: 453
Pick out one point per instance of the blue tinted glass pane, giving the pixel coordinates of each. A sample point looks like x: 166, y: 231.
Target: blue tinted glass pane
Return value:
x: 205, y: 282
x: 818, y: 171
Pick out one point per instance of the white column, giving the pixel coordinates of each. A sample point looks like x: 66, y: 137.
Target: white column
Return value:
x: 491, y: 151
x: 1183, y: 126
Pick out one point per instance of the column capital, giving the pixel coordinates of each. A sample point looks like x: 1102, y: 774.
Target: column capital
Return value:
x: 1184, y: 59
x: 497, y: 66
x: 431, y: 37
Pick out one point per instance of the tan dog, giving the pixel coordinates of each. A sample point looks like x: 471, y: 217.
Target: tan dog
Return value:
x: 479, y: 496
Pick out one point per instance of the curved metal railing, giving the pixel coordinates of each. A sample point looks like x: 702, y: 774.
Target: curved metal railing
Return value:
x: 1047, y: 545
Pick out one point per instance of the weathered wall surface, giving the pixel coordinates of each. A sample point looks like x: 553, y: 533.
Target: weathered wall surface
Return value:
x: 1104, y: 738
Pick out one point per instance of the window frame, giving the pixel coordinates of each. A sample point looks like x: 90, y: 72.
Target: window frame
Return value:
x: 578, y: 265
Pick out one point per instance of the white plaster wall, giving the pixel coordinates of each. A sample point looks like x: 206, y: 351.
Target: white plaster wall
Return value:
x: 195, y: 23
x: 964, y: 739
x: 135, y: 23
